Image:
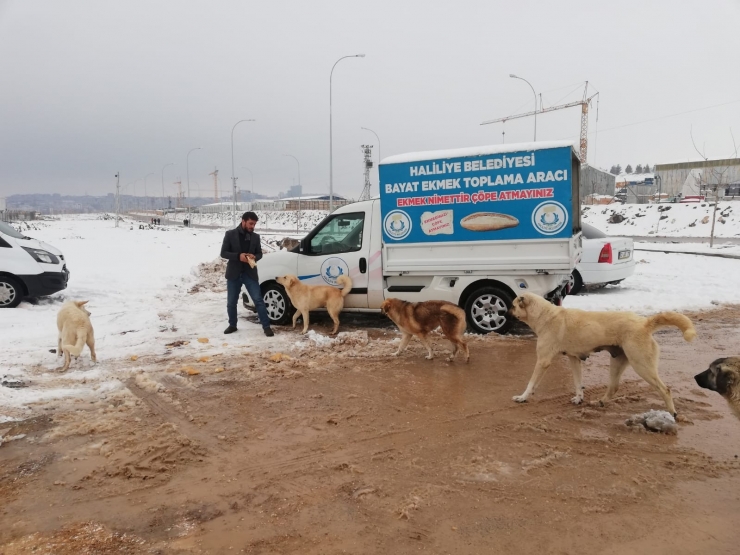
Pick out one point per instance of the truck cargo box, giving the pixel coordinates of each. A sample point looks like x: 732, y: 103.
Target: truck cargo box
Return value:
x: 502, y: 209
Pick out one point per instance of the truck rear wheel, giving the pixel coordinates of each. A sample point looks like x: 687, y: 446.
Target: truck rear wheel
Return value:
x: 278, y: 304
x: 487, y: 310
x: 11, y: 292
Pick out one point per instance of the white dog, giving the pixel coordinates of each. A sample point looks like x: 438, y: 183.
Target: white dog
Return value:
x: 75, y: 330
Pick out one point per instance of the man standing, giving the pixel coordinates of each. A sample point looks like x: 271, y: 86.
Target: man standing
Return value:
x: 240, y: 247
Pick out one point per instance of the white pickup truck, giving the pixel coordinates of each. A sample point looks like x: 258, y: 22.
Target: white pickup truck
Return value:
x: 471, y: 226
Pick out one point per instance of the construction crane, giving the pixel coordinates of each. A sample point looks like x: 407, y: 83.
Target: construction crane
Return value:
x: 214, y: 173
x: 583, y: 103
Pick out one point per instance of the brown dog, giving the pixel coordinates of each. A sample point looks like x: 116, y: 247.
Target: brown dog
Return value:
x: 420, y: 319
x: 723, y: 376
x: 578, y: 333
x: 310, y: 297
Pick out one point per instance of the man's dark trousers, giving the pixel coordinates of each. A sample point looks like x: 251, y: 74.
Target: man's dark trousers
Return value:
x: 234, y: 287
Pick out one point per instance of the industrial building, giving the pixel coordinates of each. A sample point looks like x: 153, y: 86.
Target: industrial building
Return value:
x: 636, y: 188
x: 595, y: 185
x: 699, y: 178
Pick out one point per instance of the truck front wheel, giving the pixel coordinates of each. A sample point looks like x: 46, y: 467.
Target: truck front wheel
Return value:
x: 487, y: 310
x: 277, y: 303
x: 11, y: 292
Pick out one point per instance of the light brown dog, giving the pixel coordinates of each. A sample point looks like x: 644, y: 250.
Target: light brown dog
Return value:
x: 310, y: 297
x: 421, y: 319
x: 578, y: 333
x: 723, y: 376
x: 75, y: 330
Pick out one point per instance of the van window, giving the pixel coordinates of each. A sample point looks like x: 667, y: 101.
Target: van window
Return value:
x: 339, y: 233
x: 10, y: 231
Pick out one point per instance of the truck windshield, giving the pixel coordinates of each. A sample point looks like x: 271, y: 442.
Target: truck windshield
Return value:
x: 341, y: 233
x: 10, y: 231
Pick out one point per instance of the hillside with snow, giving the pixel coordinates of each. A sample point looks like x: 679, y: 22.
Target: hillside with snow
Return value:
x: 666, y: 219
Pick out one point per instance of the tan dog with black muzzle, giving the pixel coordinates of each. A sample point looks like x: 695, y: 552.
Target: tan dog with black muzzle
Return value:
x: 577, y: 333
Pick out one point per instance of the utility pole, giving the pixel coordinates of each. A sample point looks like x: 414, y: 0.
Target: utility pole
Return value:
x: 214, y: 173
x: 367, y: 150
x: 118, y: 192
x: 714, y: 214
x: 179, y: 192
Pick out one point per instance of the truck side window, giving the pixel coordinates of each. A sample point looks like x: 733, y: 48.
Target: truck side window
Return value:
x: 341, y: 233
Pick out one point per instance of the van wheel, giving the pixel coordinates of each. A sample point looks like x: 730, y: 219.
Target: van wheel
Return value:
x: 11, y: 292
x: 575, y: 283
x: 487, y: 310
x: 278, y: 304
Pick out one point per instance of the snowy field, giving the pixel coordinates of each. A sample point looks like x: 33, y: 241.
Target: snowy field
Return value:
x: 144, y: 293
x: 283, y: 221
x: 678, y: 219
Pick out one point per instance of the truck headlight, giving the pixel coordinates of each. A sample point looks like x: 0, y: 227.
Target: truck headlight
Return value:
x: 42, y: 256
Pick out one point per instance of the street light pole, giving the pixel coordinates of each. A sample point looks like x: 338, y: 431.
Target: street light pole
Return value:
x: 233, y: 177
x: 535, y: 101
x: 187, y: 171
x: 163, y: 167
x: 298, y: 221
x: 331, y: 146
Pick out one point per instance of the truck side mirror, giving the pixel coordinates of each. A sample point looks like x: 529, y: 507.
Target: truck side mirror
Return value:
x: 302, y: 246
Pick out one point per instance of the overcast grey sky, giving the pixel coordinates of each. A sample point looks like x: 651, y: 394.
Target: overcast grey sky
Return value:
x: 91, y: 87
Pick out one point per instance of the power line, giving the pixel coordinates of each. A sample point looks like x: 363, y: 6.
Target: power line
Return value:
x: 670, y: 115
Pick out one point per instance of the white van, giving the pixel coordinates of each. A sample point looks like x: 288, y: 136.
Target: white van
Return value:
x: 28, y: 267
x: 416, y: 242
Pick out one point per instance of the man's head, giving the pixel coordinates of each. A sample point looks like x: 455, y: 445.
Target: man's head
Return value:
x: 249, y: 220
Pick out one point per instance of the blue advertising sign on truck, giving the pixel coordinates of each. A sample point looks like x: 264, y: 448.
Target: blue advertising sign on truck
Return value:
x: 510, y: 195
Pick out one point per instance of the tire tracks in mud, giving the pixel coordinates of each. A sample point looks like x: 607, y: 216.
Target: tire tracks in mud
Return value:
x: 167, y: 414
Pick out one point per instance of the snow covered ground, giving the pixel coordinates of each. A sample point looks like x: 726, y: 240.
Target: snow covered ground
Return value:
x: 137, y: 283
x: 145, y: 292
x: 285, y: 221
x: 678, y: 219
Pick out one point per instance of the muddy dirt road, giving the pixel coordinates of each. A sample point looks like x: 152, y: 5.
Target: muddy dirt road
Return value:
x: 344, y: 449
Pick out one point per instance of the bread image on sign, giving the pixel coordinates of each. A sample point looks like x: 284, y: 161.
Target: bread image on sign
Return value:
x: 437, y: 223
x: 488, y: 221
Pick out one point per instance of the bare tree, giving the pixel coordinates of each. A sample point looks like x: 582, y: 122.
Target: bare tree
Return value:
x: 718, y: 177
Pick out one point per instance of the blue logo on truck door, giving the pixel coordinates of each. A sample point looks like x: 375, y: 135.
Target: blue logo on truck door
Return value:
x: 507, y: 196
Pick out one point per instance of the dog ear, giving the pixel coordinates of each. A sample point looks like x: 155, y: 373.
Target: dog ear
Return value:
x: 523, y: 302
x: 727, y: 374
x: 81, y: 303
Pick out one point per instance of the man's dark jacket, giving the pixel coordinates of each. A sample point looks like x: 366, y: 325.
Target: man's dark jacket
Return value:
x: 232, y: 248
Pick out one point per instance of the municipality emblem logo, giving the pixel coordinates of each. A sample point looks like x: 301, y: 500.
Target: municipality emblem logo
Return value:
x: 397, y: 225
x: 332, y: 268
x: 549, y: 218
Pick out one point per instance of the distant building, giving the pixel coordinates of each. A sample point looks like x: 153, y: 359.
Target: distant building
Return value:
x: 594, y: 183
x: 306, y: 202
x: 635, y: 188
x: 310, y: 202
x: 700, y: 178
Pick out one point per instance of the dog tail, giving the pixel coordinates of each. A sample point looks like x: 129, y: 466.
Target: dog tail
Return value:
x: 665, y: 319
x: 346, y: 283
x: 76, y: 349
x: 458, y: 314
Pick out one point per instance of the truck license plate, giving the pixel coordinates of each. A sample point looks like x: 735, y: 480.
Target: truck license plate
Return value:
x: 624, y: 254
